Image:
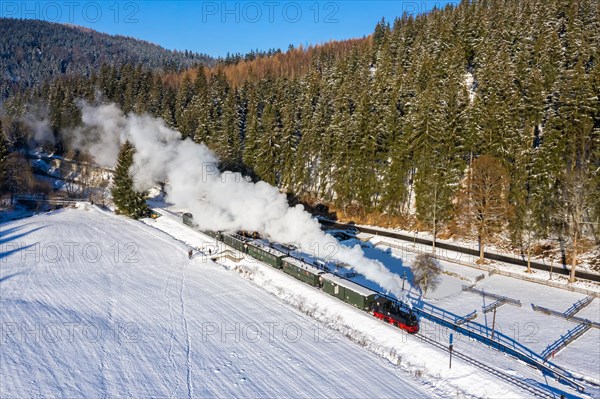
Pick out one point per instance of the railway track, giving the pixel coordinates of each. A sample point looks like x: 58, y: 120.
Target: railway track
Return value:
x: 532, y: 389
x: 561, y: 269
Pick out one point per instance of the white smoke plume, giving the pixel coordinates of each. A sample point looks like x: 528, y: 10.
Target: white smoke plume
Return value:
x: 42, y: 133
x: 218, y: 201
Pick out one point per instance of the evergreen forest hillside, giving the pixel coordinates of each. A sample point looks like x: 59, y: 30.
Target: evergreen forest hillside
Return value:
x: 472, y: 120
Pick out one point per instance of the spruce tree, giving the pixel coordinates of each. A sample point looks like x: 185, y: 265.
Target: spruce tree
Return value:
x: 3, y: 147
x: 127, y: 200
x: 4, y: 151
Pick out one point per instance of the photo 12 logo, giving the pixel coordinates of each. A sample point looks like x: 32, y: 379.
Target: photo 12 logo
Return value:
x: 72, y: 11
x: 270, y: 11
x: 70, y: 252
x: 12, y: 332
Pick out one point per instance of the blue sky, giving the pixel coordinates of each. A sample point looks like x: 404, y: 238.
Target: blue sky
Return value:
x: 218, y: 27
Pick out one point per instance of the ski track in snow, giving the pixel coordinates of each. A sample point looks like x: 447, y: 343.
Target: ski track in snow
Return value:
x: 190, y: 389
x: 136, y: 329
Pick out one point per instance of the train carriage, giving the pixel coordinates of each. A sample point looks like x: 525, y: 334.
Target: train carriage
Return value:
x: 235, y: 241
x: 188, y: 219
x: 381, y: 306
x: 349, y: 292
x: 217, y: 235
x: 302, y: 271
x: 265, y: 254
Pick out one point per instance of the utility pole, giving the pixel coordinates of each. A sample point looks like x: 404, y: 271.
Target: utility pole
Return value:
x: 450, y: 348
x: 494, y: 323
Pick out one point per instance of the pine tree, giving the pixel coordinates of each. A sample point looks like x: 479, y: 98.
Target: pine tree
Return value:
x: 127, y: 200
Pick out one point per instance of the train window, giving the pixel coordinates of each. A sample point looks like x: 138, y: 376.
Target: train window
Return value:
x: 336, y: 289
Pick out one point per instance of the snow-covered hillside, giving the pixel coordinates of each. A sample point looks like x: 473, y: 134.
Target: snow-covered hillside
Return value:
x: 95, y: 305
x: 99, y: 305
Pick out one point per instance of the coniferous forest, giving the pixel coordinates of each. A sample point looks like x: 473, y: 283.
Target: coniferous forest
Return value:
x: 33, y: 51
x: 472, y: 120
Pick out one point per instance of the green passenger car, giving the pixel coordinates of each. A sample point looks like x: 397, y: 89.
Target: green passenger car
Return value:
x: 349, y: 292
x: 236, y: 242
x: 302, y: 271
x: 214, y: 234
x: 268, y: 255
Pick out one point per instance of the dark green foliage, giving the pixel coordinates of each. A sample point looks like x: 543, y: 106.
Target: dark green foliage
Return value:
x: 33, y: 51
x: 4, y: 149
x: 127, y: 201
x: 398, y: 121
x: 4, y: 152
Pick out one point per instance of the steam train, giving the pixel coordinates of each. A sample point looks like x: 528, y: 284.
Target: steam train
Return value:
x: 318, y: 275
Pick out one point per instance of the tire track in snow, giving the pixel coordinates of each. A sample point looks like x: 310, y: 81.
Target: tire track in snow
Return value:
x: 151, y: 231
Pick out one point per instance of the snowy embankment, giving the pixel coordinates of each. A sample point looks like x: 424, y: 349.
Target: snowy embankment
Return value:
x: 408, y: 352
x: 95, y: 305
x: 534, y: 330
x: 538, y: 276
x: 552, y: 256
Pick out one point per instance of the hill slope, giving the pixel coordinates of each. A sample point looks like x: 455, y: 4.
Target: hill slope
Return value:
x: 148, y: 322
x: 33, y: 51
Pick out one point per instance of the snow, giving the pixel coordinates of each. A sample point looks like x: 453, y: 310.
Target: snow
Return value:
x: 471, y: 86
x: 591, y: 312
x: 14, y: 213
x: 493, y: 248
x: 129, y: 315
x: 348, y: 284
x: 409, y: 249
x: 578, y: 354
x: 409, y: 352
x: 533, y: 329
x: 169, y: 326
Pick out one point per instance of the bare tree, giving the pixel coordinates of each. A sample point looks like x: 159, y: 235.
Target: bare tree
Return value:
x: 426, y: 270
x: 484, y: 201
x: 17, y: 176
x: 530, y: 228
x: 574, y: 206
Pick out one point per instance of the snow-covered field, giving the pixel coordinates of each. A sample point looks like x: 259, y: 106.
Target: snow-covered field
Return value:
x: 98, y: 305
x: 552, y: 257
x: 532, y: 329
x: 94, y: 305
x: 383, y: 340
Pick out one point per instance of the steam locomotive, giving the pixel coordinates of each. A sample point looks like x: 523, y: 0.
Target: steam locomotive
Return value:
x: 318, y: 275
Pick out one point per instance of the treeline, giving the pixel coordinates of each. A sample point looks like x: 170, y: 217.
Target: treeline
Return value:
x: 231, y: 59
x: 473, y: 119
x: 34, y: 51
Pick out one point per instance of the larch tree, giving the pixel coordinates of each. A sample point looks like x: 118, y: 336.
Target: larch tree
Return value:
x: 575, y: 206
x: 485, y: 199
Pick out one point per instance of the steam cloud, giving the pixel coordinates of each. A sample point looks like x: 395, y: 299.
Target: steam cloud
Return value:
x: 42, y: 133
x: 218, y: 201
